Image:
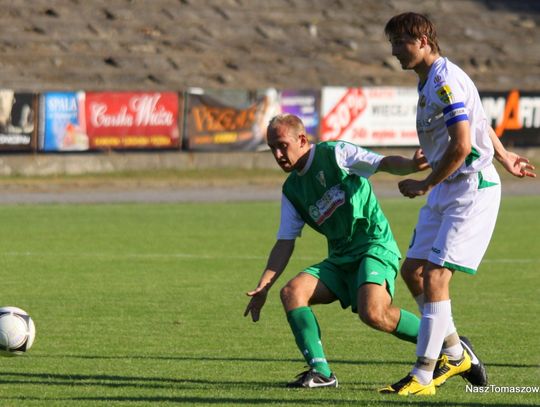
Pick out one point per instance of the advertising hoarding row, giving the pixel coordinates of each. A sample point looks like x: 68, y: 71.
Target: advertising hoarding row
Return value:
x: 234, y: 120
x: 81, y: 121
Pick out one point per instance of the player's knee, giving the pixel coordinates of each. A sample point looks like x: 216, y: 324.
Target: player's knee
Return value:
x: 374, y: 317
x: 436, y: 279
x: 290, y: 293
x: 411, y: 272
x: 285, y: 293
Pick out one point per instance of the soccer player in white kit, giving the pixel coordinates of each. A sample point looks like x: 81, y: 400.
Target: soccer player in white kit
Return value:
x: 455, y: 225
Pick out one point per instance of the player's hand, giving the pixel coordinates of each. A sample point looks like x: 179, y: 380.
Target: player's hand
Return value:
x: 258, y: 298
x: 518, y: 166
x: 413, y: 188
x: 420, y: 160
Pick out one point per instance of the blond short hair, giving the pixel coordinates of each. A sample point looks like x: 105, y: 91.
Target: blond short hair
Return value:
x: 291, y: 121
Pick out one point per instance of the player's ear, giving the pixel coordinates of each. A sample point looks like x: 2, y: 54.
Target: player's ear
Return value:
x: 303, y: 139
x: 423, y: 41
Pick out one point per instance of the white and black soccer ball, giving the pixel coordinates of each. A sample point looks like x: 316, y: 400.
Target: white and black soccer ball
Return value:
x: 17, y: 331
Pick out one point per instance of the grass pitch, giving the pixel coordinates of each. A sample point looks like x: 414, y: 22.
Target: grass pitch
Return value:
x: 141, y: 304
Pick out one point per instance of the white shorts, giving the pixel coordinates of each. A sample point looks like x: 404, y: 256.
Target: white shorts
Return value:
x: 455, y: 226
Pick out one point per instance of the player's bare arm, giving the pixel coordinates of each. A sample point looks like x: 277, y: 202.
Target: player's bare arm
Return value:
x: 277, y: 261
x: 456, y: 152
x: 399, y: 165
x: 513, y: 163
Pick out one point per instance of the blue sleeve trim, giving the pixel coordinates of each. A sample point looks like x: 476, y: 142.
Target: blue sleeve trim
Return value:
x: 453, y: 106
x: 456, y: 119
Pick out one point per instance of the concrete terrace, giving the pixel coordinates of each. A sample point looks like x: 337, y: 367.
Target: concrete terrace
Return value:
x: 174, y: 44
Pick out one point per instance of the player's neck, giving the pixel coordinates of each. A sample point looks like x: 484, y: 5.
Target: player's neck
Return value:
x: 423, y: 68
x: 304, y: 159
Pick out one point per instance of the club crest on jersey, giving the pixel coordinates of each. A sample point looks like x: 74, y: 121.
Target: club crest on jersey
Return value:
x: 327, y: 205
x: 321, y: 179
x: 445, y: 94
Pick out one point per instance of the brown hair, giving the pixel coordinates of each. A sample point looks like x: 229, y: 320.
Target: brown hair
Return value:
x: 292, y: 122
x: 414, y: 25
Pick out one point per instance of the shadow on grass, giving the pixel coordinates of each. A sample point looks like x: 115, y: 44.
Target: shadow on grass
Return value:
x: 269, y: 360
x: 282, y: 396
x: 55, y: 379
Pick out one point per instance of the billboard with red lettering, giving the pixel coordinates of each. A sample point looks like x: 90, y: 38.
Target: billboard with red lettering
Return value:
x: 369, y: 116
x: 514, y: 115
x: 132, y: 120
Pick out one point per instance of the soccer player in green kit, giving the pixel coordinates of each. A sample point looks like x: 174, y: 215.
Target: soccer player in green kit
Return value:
x: 328, y: 189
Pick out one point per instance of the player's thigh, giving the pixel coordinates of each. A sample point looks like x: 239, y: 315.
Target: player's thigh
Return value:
x: 332, y: 283
x: 373, y: 300
x: 307, y: 289
x: 375, y: 281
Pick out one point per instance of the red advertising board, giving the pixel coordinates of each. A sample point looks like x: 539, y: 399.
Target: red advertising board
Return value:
x: 131, y: 120
x: 370, y: 116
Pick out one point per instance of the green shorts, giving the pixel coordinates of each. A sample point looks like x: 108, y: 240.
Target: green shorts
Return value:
x: 377, y: 266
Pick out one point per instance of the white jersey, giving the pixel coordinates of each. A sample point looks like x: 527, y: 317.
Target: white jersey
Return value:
x: 352, y: 159
x: 447, y: 97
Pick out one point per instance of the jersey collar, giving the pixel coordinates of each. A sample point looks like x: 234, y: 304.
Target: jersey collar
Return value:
x: 309, y: 160
x: 430, y: 74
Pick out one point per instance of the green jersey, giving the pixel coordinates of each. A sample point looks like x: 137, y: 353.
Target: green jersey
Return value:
x: 331, y: 195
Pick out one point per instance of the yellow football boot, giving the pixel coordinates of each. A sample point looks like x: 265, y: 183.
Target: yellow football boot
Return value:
x: 409, y: 385
x: 447, y: 368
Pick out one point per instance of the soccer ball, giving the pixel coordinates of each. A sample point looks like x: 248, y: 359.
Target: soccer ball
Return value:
x: 17, y: 331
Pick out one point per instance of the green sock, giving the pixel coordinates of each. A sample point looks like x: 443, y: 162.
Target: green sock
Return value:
x: 308, y: 338
x: 408, y: 326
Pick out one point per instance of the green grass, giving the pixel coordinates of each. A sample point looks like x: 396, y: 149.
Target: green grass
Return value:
x: 142, y: 304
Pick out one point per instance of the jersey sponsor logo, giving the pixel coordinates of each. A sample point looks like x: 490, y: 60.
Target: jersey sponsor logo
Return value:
x: 327, y: 205
x: 445, y: 94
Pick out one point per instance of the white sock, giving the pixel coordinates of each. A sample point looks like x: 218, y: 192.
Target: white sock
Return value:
x: 454, y: 352
x: 424, y: 376
x: 433, y: 327
x: 420, y: 302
